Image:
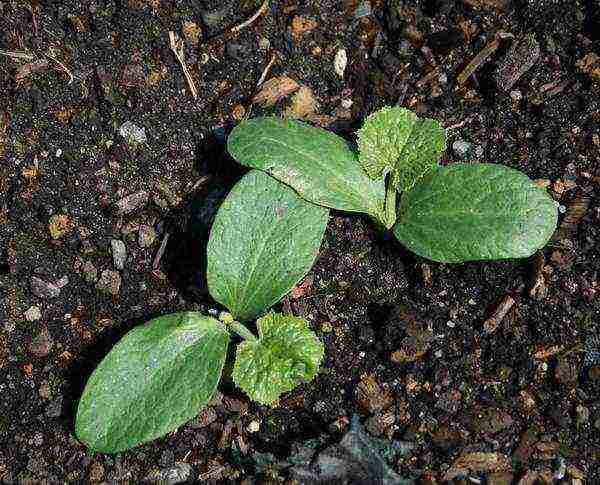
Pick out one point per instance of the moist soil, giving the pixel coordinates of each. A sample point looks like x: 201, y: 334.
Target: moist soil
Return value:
x: 488, y: 369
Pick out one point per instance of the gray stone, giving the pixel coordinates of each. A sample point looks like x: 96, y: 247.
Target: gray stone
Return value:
x: 43, y: 289
x: 119, y: 253
x: 54, y: 409
x: 131, y: 203
x: 520, y: 58
x: 33, y: 313
x: 133, y: 133
x: 178, y: 473
x: 462, y: 149
x: 110, y: 282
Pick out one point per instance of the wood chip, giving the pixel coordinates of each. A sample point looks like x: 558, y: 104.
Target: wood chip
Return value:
x: 372, y: 397
x: 274, y: 90
x: 304, y: 105
x: 478, y: 462
x: 522, y: 56
x: 302, y: 26
x: 177, y: 47
x: 544, y: 353
x: 492, y: 323
x: 495, y: 4
x: 576, y: 210
x: 537, y: 281
x: 30, y: 68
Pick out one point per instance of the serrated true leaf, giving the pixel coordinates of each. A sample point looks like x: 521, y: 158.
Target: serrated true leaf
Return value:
x: 286, y: 353
x: 395, y: 140
x: 155, y: 379
x: 319, y: 165
x: 469, y: 212
x: 265, y: 238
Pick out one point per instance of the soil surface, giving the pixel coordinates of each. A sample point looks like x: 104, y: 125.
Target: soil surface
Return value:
x: 111, y: 171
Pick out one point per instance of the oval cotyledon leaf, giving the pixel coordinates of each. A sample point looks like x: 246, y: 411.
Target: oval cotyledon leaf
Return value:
x: 316, y: 163
x: 469, y: 212
x: 157, y: 377
x: 264, y: 240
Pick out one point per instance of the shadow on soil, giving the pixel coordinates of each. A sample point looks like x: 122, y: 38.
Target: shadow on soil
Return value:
x: 183, y: 261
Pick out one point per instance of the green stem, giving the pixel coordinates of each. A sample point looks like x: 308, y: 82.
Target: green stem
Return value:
x: 390, y: 204
x: 241, y: 330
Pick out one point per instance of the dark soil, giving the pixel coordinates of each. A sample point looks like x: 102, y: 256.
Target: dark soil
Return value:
x: 406, y: 345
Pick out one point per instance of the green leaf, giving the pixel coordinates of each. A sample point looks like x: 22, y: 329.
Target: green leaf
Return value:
x: 475, y: 212
x: 285, y: 354
x: 394, y: 140
x: 264, y: 240
x: 155, y: 379
x: 319, y: 165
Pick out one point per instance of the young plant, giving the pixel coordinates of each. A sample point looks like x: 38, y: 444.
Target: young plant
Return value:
x: 463, y: 212
x: 161, y: 374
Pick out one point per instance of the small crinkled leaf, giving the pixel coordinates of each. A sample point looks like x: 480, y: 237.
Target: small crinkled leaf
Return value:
x: 316, y: 163
x: 286, y: 353
x: 395, y: 140
x: 155, y: 379
x: 475, y: 212
x: 264, y: 240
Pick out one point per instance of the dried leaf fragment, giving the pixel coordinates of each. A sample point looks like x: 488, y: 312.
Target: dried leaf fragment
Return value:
x: 590, y: 64
x: 191, y: 32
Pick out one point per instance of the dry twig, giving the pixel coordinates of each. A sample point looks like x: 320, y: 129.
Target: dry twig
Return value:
x: 69, y: 73
x: 17, y: 55
x: 482, y: 57
x: 263, y: 8
x: 177, y: 48
x: 491, y: 324
x: 265, y: 73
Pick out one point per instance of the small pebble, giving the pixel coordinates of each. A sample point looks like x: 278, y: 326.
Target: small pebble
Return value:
x: 363, y: 10
x: 462, y: 149
x: 119, y: 253
x: 583, y: 414
x: 340, y: 62
x: 133, y: 133
x: 38, y: 439
x: 54, y: 409
x: 131, y: 203
x: 178, y: 473
x: 110, y: 281
x: 147, y: 236
x: 33, y: 313
x: 253, y: 426
x: 42, y: 344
